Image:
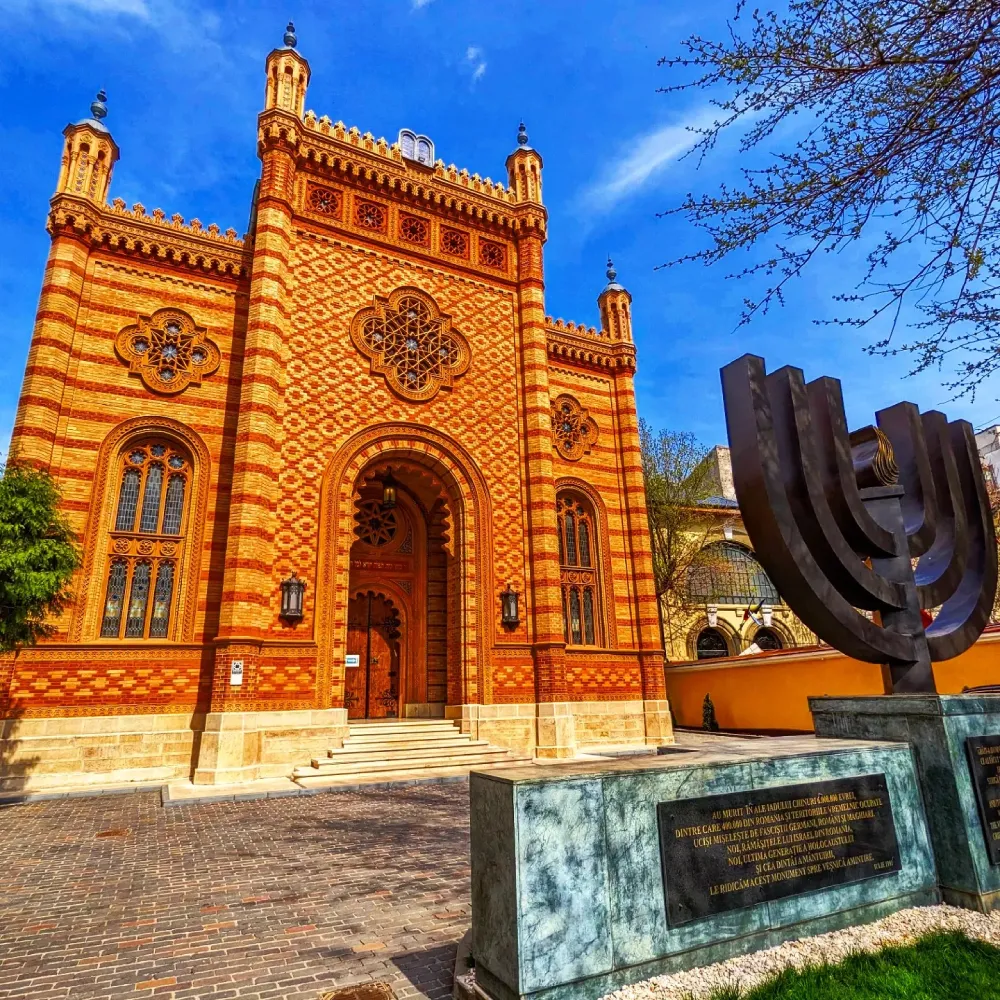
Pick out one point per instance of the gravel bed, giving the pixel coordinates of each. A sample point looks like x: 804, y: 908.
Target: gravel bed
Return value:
x: 751, y: 970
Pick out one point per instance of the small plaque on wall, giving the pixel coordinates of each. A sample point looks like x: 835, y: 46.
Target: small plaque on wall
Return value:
x: 984, y: 767
x: 725, y: 852
x: 352, y: 660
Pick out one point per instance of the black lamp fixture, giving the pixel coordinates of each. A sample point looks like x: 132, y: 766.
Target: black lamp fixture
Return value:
x: 292, y: 590
x: 388, y: 490
x: 508, y: 608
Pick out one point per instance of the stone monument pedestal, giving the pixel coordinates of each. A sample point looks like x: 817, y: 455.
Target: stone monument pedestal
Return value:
x: 939, y: 728
x: 590, y: 875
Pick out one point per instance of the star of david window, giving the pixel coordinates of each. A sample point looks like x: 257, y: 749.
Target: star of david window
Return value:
x: 167, y: 351
x: 376, y: 524
x: 574, y: 431
x: 409, y: 341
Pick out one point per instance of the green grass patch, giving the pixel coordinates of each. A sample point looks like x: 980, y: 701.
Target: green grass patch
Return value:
x: 937, y: 967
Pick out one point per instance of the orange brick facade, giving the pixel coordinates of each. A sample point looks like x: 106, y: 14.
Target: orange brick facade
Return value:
x: 305, y: 413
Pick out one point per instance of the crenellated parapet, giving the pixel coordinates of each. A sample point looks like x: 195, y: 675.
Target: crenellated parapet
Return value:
x: 587, y: 347
x: 154, y: 237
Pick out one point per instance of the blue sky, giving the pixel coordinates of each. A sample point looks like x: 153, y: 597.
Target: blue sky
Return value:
x: 185, y: 81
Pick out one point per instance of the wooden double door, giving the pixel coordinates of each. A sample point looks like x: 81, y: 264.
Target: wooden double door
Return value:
x: 372, y: 686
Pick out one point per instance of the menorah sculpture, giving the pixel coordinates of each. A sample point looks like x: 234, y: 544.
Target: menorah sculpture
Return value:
x: 889, y: 519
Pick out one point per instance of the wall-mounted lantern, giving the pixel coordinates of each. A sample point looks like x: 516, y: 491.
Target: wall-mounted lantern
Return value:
x: 388, y: 490
x: 292, y: 590
x: 508, y: 608
x: 713, y: 615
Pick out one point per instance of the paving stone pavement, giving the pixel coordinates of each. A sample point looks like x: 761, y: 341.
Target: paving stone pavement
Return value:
x: 116, y: 896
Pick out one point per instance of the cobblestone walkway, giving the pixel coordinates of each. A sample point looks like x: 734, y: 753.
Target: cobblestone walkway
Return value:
x: 277, y: 898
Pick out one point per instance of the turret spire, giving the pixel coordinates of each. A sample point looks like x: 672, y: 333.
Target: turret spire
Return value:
x: 98, y: 107
x: 290, y: 39
x: 522, y: 136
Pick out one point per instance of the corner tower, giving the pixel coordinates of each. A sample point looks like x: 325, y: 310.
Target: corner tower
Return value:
x: 89, y: 156
x: 615, y: 304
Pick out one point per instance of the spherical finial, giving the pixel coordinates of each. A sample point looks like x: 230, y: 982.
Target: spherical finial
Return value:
x: 611, y: 272
x: 522, y: 135
x: 98, y: 109
x: 290, y: 39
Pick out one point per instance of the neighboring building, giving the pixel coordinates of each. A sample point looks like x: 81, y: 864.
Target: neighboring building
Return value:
x: 731, y: 607
x: 365, y: 396
x: 988, y: 443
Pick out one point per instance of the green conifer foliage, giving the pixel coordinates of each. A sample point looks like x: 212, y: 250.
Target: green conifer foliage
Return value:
x: 708, y: 719
x: 38, y: 555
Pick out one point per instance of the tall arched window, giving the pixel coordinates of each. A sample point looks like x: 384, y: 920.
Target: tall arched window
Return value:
x: 579, y: 575
x: 146, y: 541
x: 727, y: 573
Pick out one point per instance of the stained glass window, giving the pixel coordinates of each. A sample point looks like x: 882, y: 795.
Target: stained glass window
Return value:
x: 727, y: 573
x: 128, y: 500
x: 578, y: 570
x: 160, y: 617
x: 173, y: 506
x: 113, y: 598
x: 151, y: 499
x: 135, y: 624
x: 143, y: 559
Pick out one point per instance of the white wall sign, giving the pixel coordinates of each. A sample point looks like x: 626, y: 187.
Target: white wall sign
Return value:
x: 352, y: 660
x: 235, y: 673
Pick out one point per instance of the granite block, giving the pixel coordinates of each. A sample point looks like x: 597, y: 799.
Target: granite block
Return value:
x: 936, y: 726
x: 567, y: 884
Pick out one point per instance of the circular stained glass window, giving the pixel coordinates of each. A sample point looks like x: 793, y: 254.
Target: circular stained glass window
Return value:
x: 158, y: 450
x: 175, y: 462
x: 166, y: 374
x: 169, y: 352
x: 137, y: 457
x: 198, y: 356
x: 140, y: 346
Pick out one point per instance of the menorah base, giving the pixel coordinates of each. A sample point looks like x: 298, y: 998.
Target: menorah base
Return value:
x: 955, y: 741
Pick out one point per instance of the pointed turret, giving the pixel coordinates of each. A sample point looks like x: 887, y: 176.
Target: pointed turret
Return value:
x: 89, y: 155
x: 287, y: 77
x: 615, y: 304
x: 524, y: 170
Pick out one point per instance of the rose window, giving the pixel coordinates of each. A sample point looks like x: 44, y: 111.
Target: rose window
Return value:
x: 414, y: 230
x: 167, y: 351
x: 409, y: 341
x: 492, y: 254
x: 370, y: 215
x: 455, y: 242
x: 376, y: 524
x: 324, y: 200
x: 574, y: 431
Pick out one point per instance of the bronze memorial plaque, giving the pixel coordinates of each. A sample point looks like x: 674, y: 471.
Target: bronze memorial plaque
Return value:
x: 724, y: 852
x: 984, y: 765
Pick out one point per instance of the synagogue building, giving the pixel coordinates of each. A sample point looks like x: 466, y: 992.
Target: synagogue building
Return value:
x: 344, y: 468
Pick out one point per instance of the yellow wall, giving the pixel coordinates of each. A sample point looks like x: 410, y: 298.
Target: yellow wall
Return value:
x: 771, y: 691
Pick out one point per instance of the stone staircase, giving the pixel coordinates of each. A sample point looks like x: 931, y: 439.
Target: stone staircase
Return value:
x: 403, y: 750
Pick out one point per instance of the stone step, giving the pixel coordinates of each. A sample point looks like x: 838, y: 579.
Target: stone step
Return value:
x: 411, y: 764
x: 409, y: 725
x: 373, y: 745
x: 402, y: 751
x: 366, y: 738
x: 314, y: 780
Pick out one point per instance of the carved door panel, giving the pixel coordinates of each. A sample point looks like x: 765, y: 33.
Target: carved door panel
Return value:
x: 372, y: 688
x: 357, y: 645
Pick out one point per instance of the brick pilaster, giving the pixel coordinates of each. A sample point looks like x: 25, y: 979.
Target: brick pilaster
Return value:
x: 549, y: 647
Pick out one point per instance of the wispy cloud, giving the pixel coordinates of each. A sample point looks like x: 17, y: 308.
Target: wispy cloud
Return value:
x: 475, y: 62
x: 643, y: 158
x: 419, y: 4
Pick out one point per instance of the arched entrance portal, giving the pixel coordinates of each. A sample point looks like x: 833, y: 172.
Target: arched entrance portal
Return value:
x: 404, y: 585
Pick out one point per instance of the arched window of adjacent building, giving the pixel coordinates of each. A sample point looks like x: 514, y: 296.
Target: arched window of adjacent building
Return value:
x: 767, y: 639
x: 727, y: 573
x: 146, y: 542
x: 711, y: 644
x: 579, y: 572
